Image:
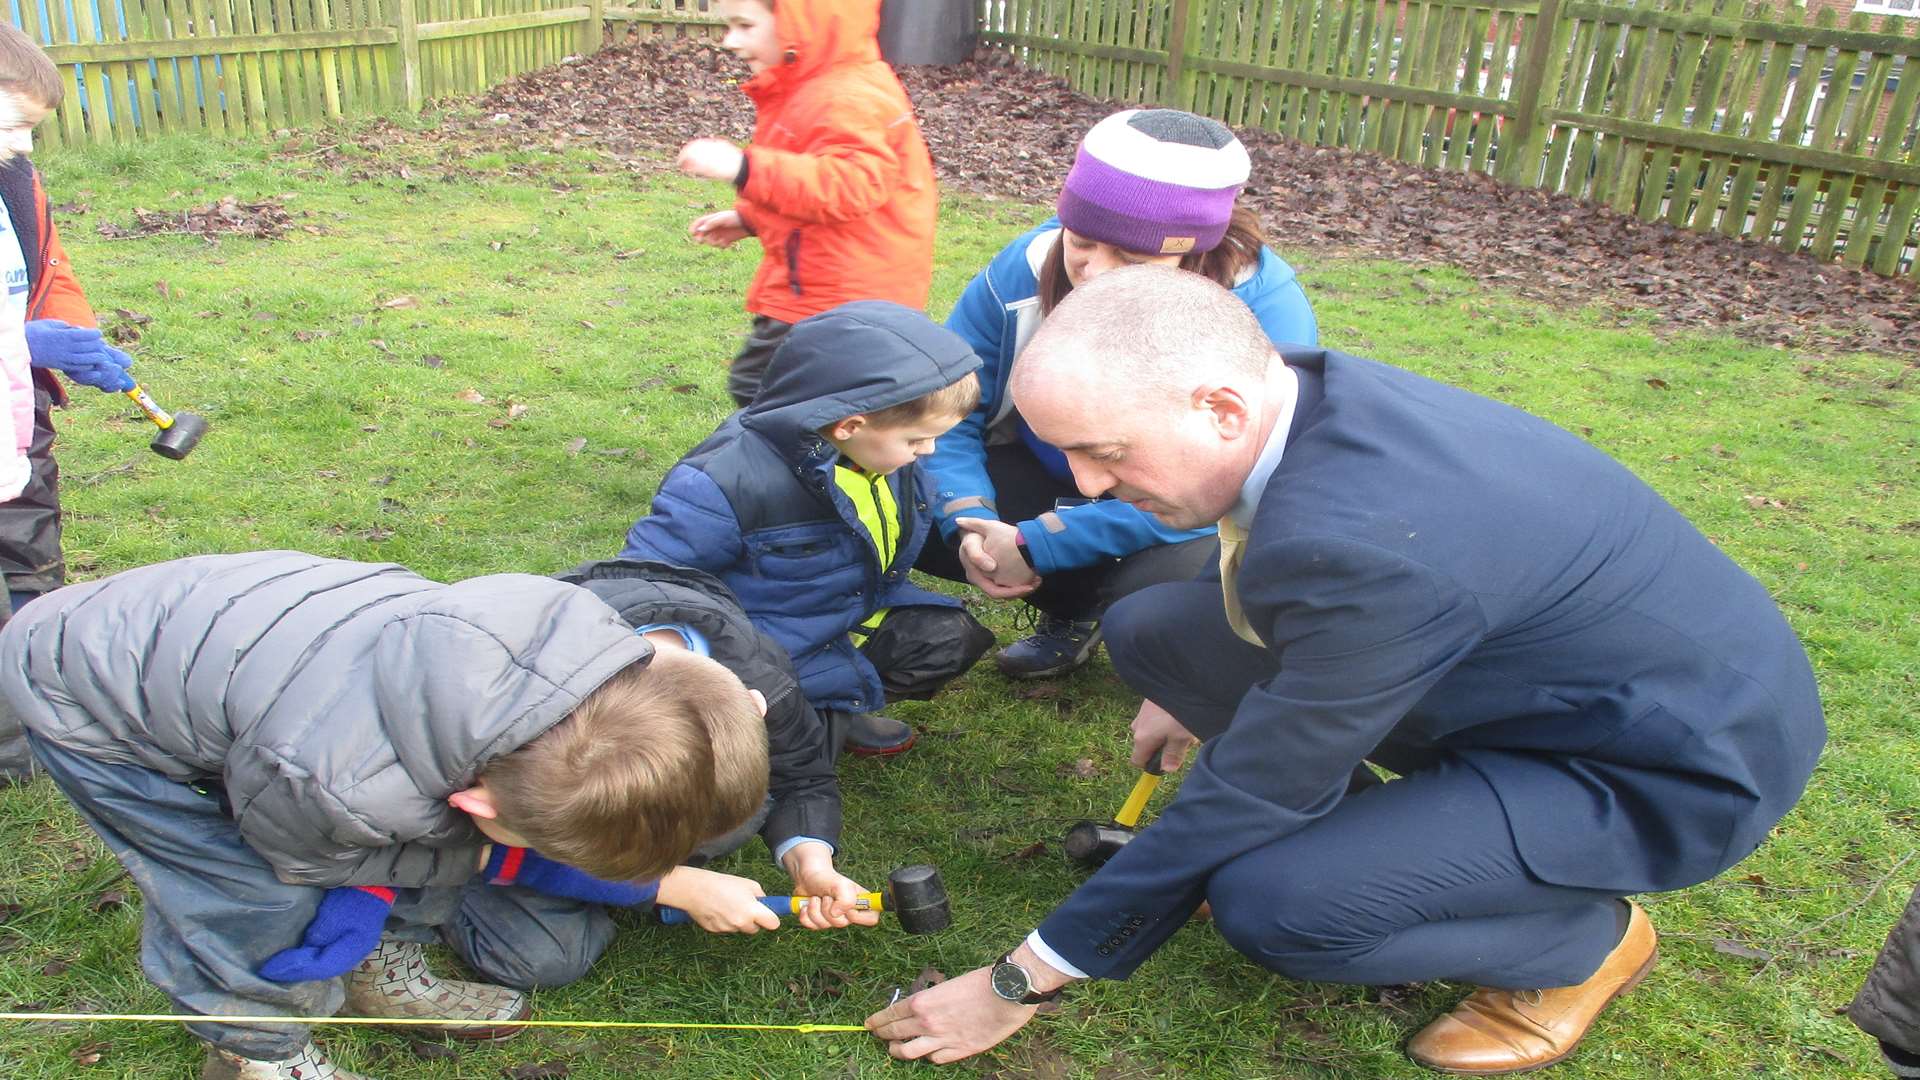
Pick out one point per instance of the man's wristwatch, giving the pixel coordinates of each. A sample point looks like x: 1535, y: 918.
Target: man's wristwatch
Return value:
x: 1011, y: 982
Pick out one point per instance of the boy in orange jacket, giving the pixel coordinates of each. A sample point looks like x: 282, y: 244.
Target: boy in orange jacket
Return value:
x: 836, y: 183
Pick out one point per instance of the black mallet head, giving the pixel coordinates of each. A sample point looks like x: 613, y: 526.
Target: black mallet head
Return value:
x: 179, y: 432
x: 917, y: 896
x: 1092, y: 843
x: 178, y: 440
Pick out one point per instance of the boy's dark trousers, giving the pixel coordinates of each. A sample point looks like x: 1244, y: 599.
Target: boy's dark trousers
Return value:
x: 214, y: 909
x: 1888, y: 1005
x: 756, y: 352
x: 1023, y: 490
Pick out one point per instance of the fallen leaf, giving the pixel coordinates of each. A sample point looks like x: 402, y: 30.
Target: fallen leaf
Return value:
x: 109, y: 900
x: 401, y: 302
x: 574, y: 446
x: 683, y: 388
x: 9, y: 910
x: 516, y: 410
x: 587, y: 325
x: 165, y: 290
x: 89, y: 1054
x: 1031, y: 851
x: 1657, y: 384
x: 635, y: 253
x: 434, y: 360
x: 545, y: 1070
x: 381, y: 345
x: 263, y: 316
x: 471, y: 396
x: 369, y: 428
x: 304, y: 336
x: 54, y: 968
x: 1082, y: 769
x: 377, y: 534
x: 928, y: 977
x: 432, y: 1051
x: 497, y: 245
x: 499, y: 422
x: 617, y: 451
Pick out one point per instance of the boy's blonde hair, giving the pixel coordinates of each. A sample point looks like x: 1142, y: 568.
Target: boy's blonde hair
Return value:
x: 664, y: 756
x: 26, y: 71
x: 957, y: 398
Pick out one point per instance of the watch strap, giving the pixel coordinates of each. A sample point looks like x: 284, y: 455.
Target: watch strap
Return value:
x: 1032, y: 997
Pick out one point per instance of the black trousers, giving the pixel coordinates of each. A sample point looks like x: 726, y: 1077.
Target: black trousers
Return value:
x: 1023, y: 490
x: 756, y: 352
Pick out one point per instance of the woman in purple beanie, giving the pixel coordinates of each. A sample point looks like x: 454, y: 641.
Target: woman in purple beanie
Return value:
x: 1147, y: 186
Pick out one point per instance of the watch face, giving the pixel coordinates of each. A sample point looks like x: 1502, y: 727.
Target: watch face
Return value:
x: 1010, y: 981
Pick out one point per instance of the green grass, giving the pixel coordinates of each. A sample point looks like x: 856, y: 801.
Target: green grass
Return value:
x: 339, y: 427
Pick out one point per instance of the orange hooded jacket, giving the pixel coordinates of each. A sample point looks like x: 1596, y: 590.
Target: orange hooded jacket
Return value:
x: 839, y: 187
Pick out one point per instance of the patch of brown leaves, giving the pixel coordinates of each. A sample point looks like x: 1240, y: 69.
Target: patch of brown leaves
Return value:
x: 996, y: 128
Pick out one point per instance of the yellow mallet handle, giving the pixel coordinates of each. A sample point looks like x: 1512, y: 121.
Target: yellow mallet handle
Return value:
x: 793, y: 905
x: 1143, y: 789
x: 161, y: 417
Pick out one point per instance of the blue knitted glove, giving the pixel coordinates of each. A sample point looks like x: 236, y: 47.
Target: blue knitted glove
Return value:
x: 527, y: 867
x: 80, y: 353
x: 345, y: 928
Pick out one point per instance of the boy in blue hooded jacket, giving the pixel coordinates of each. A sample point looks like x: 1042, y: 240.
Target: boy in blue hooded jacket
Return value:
x: 811, y: 505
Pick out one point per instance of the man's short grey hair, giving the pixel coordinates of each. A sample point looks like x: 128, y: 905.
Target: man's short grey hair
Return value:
x: 1147, y: 330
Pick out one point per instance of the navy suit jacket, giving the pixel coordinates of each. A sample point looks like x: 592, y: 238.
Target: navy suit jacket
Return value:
x: 1435, y: 570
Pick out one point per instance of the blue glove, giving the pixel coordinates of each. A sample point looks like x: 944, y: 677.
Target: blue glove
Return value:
x: 345, y: 928
x: 527, y: 867
x: 80, y: 353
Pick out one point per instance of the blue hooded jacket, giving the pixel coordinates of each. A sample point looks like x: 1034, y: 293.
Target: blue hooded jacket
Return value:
x: 756, y: 504
x: 997, y: 314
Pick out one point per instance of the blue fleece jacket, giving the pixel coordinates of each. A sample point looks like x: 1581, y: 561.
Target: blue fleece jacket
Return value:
x: 756, y: 506
x: 997, y: 315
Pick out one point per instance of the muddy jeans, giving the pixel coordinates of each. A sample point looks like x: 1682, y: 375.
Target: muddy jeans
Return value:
x: 214, y: 909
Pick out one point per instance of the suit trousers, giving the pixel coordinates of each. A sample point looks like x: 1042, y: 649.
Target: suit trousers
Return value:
x: 214, y: 911
x: 1415, y: 879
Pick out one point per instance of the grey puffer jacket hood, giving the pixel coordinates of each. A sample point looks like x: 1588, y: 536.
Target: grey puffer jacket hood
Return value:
x: 340, y: 703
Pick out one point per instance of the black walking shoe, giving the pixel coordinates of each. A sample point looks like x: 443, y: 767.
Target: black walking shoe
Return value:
x: 1055, y: 647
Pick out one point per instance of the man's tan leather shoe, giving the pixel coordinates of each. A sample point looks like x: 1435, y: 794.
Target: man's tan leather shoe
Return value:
x: 1508, y: 1031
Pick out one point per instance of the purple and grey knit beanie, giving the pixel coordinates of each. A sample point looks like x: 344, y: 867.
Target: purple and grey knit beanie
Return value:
x: 1155, y: 181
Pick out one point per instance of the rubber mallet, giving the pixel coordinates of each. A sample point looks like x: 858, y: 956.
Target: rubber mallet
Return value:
x: 915, y: 894
x: 179, y: 432
x: 1091, y: 843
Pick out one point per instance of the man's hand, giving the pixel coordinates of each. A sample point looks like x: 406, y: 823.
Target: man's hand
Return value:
x: 721, y: 229
x: 834, y: 894
x: 992, y: 560
x: 953, y: 1020
x: 719, y: 903
x: 710, y: 159
x: 1157, y: 733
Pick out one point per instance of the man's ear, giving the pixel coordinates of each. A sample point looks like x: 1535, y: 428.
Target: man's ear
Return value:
x: 845, y: 429
x: 1230, y: 415
x: 476, y: 801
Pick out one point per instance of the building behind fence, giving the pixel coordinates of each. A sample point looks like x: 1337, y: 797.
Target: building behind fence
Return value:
x: 1780, y: 125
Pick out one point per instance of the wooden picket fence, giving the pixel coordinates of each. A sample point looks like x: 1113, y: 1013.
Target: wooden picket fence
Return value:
x: 1775, y: 125
x: 135, y: 67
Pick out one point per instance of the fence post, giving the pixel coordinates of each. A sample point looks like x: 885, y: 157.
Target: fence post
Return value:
x: 593, y: 35
x: 1170, y: 94
x: 1522, y: 143
x: 407, y: 23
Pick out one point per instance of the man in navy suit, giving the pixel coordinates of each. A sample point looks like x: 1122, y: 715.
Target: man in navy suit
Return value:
x: 1583, y: 698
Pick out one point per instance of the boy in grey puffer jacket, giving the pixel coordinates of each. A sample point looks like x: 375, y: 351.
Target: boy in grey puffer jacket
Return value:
x: 310, y: 766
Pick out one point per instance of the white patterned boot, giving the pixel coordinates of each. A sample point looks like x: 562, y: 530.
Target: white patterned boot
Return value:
x: 308, y: 1064
x: 394, y: 982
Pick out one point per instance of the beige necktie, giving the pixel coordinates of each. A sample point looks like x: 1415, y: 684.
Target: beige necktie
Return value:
x: 1233, y: 540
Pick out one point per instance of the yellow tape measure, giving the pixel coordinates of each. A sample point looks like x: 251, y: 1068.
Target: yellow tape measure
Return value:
x: 381, y: 1021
